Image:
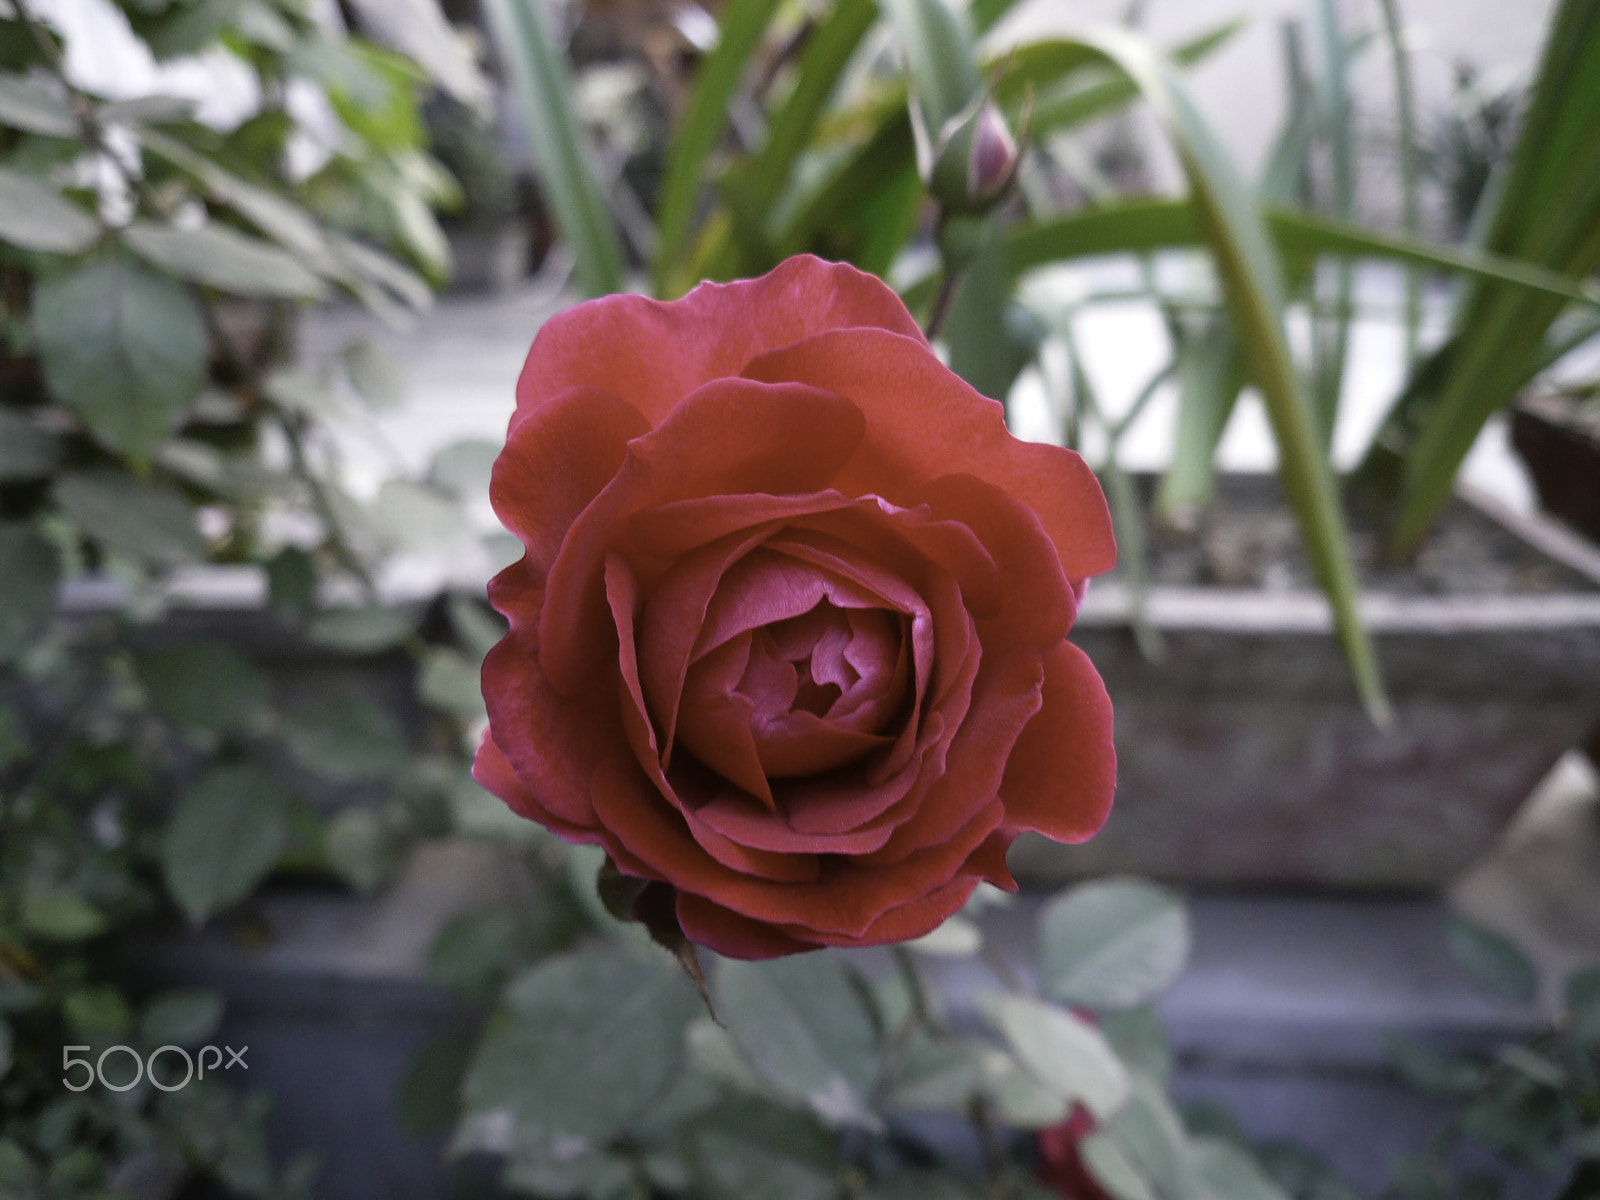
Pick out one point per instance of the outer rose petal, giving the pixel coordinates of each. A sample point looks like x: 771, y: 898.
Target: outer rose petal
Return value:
x: 653, y: 354
x: 923, y: 420
x: 1063, y: 769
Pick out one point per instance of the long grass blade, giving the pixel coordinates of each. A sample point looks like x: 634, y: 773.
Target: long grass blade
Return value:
x: 701, y: 128
x: 1242, y: 249
x: 1548, y: 214
x: 1410, y: 194
x: 566, y: 173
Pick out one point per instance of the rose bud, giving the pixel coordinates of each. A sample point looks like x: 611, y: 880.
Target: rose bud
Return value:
x: 788, y: 638
x: 971, y: 166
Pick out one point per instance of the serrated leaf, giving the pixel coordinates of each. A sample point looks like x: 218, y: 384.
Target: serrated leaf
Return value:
x: 582, y: 1043
x: 1492, y: 962
x: 27, y: 106
x: 30, y: 572
x: 346, y: 740
x: 183, y: 1017
x: 803, y: 1027
x: 223, y: 258
x: 147, y: 520
x: 1112, y: 943
x: 203, y: 685
x: 364, y: 630
x: 35, y: 216
x: 1062, y: 1051
x: 225, y: 835
x: 123, y: 347
x: 936, y: 1076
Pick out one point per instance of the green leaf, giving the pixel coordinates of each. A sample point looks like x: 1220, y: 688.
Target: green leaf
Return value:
x: 700, y: 129
x: 1493, y: 963
x: 1151, y: 1138
x: 62, y: 917
x: 183, y: 1017
x: 937, y: 1076
x: 756, y: 1149
x: 1111, y: 1168
x: 363, y: 848
x: 566, y: 174
x: 346, y: 740
x: 449, y: 680
x: 147, y: 520
x: 34, y: 215
x: 474, y: 950
x: 582, y: 1043
x: 203, y: 685
x: 1112, y: 943
x: 223, y: 258
x: 5, y: 1053
x: 26, y: 451
x: 274, y: 215
x: 226, y: 834
x: 430, y: 1090
x: 291, y: 581
x: 26, y: 106
x: 939, y: 57
x: 98, y: 1011
x: 1228, y: 1173
x: 30, y: 572
x: 1062, y: 1051
x: 1139, y: 1038
x: 1583, y: 1007
x: 364, y: 630
x: 803, y: 1027
x: 124, y: 347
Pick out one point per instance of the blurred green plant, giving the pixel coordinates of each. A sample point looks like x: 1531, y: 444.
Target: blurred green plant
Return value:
x: 153, y: 269
x: 856, y: 158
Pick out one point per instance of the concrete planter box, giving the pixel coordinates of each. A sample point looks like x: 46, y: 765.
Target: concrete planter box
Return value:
x: 1244, y: 758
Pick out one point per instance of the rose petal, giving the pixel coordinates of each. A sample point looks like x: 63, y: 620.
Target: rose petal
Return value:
x: 846, y: 899
x: 495, y: 774
x: 922, y: 418
x: 1062, y: 772
x: 730, y: 436
x: 653, y: 354
x: 558, y: 461
x: 725, y: 932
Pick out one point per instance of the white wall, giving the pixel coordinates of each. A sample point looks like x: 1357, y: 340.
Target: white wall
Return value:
x: 1240, y: 88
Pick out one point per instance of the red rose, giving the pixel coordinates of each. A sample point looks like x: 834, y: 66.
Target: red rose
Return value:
x: 789, y: 636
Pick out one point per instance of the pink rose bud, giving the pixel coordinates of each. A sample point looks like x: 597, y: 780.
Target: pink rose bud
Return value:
x: 992, y: 161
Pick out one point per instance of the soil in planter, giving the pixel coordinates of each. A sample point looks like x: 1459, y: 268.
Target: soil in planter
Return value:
x: 1248, y: 538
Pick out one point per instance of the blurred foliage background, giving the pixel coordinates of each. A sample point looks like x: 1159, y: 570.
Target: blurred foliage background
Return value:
x: 157, y: 769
